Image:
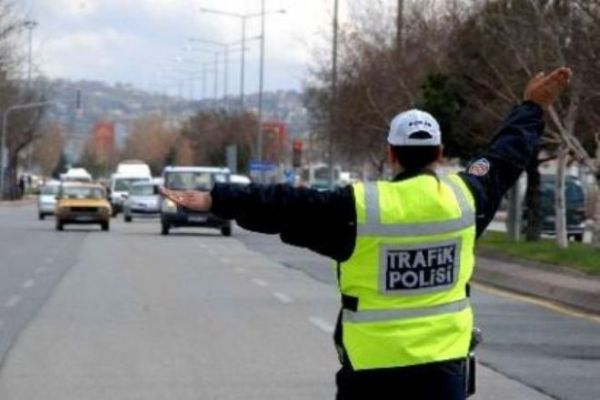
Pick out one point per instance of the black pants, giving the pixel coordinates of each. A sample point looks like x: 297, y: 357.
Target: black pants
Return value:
x: 439, y: 381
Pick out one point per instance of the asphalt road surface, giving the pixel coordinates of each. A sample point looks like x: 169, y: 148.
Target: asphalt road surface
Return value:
x: 130, y: 314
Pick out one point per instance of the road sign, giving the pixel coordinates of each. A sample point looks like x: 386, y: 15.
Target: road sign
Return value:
x: 261, y: 166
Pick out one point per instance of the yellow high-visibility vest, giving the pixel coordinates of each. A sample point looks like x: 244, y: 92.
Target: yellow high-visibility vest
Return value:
x: 413, y: 258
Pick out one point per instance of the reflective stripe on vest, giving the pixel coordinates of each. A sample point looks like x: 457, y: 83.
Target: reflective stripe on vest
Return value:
x: 373, y: 227
x: 393, y: 315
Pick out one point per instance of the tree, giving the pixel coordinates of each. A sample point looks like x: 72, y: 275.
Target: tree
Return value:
x: 153, y: 141
x: 532, y: 35
x: 48, y: 149
x: 22, y: 125
x: 383, y: 63
x: 208, y: 133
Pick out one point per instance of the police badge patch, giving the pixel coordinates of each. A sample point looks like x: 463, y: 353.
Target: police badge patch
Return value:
x: 419, y: 269
x: 480, y: 167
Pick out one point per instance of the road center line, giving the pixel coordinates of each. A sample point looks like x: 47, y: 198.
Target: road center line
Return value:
x: 13, y: 301
x: 259, y: 282
x: 321, y: 324
x: 284, y: 298
x: 28, y: 284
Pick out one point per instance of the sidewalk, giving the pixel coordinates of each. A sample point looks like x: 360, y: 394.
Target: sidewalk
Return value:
x: 18, y: 203
x: 572, y: 289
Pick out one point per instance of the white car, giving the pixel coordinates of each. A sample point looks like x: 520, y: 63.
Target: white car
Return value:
x: 47, y: 199
x: 143, y: 201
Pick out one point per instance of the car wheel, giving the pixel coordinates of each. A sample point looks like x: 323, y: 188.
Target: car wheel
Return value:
x: 41, y: 216
x: 165, y: 228
x: 578, y: 237
x: 226, y: 230
x: 127, y: 218
x: 59, y: 225
x: 105, y: 226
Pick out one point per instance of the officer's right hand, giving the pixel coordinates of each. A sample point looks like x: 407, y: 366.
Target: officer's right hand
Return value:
x: 193, y: 200
x: 544, y: 89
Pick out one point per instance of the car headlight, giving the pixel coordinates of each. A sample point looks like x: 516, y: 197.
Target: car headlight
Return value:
x: 169, y: 206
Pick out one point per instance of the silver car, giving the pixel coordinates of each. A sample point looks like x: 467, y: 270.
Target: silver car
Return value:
x: 47, y: 199
x: 143, y: 201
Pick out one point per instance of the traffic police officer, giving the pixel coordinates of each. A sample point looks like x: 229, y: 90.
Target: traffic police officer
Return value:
x: 404, y: 248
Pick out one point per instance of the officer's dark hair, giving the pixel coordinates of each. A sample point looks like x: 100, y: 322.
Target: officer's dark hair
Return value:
x: 416, y: 157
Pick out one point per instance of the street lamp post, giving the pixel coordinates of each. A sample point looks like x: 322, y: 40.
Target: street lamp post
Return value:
x: 30, y: 25
x: 243, y: 18
x: 227, y: 48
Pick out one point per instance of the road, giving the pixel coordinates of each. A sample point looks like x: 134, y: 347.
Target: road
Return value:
x: 130, y: 314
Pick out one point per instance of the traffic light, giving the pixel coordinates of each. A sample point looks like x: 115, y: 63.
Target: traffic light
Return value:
x: 297, y: 153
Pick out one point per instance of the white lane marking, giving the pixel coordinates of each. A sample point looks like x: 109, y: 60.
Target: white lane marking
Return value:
x: 13, y: 301
x: 321, y: 324
x: 40, y: 270
x: 240, y: 270
x: 29, y: 284
x: 225, y: 260
x: 284, y: 298
x: 259, y: 282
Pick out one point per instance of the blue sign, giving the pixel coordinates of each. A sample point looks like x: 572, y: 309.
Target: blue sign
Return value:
x: 261, y: 166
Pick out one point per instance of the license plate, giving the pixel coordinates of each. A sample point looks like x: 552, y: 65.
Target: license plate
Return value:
x: 197, y: 218
x: 83, y: 218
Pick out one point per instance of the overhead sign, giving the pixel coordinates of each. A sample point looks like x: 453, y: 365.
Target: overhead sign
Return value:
x: 261, y: 166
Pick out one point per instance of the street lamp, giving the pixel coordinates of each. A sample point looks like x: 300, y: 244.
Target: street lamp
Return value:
x: 243, y: 18
x: 226, y: 50
x: 30, y: 26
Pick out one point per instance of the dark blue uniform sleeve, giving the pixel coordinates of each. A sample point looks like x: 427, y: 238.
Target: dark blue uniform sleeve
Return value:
x: 322, y: 221
x: 495, y: 171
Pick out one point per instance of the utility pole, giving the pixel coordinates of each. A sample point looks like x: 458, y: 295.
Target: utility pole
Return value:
x: 261, y: 76
x: 334, y: 54
x: 400, y: 27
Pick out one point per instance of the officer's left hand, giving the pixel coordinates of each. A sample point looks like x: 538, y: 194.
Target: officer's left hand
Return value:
x: 197, y: 201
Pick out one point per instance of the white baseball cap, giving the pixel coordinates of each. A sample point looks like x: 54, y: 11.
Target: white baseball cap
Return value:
x: 414, y: 128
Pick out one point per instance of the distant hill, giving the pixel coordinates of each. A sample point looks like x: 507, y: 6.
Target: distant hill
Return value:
x: 123, y: 102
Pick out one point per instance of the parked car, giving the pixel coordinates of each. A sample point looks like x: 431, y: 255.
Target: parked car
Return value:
x: 575, y: 200
x: 82, y: 203
x: 191, y: 178
x: 47, y: 199
x: 143, y: 201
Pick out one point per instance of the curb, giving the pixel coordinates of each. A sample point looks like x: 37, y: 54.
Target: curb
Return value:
x: 18, y: 203
x: 571, y: 289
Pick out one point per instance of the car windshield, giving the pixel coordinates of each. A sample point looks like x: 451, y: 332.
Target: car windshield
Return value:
x: 142, y: 190
x: 193, y: 180
x: 124, y: 184
x: 49, y: 190
x: 82, y: 192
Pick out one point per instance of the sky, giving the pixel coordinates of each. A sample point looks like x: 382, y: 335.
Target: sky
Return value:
x: 146, y: 42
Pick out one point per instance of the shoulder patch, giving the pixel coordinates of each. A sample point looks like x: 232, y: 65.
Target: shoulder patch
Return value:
x: 480, y: 167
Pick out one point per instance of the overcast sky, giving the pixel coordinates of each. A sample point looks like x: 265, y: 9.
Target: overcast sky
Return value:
x: 136, y: 40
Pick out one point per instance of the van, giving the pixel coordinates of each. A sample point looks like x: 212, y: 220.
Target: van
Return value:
x: 192, y: 178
